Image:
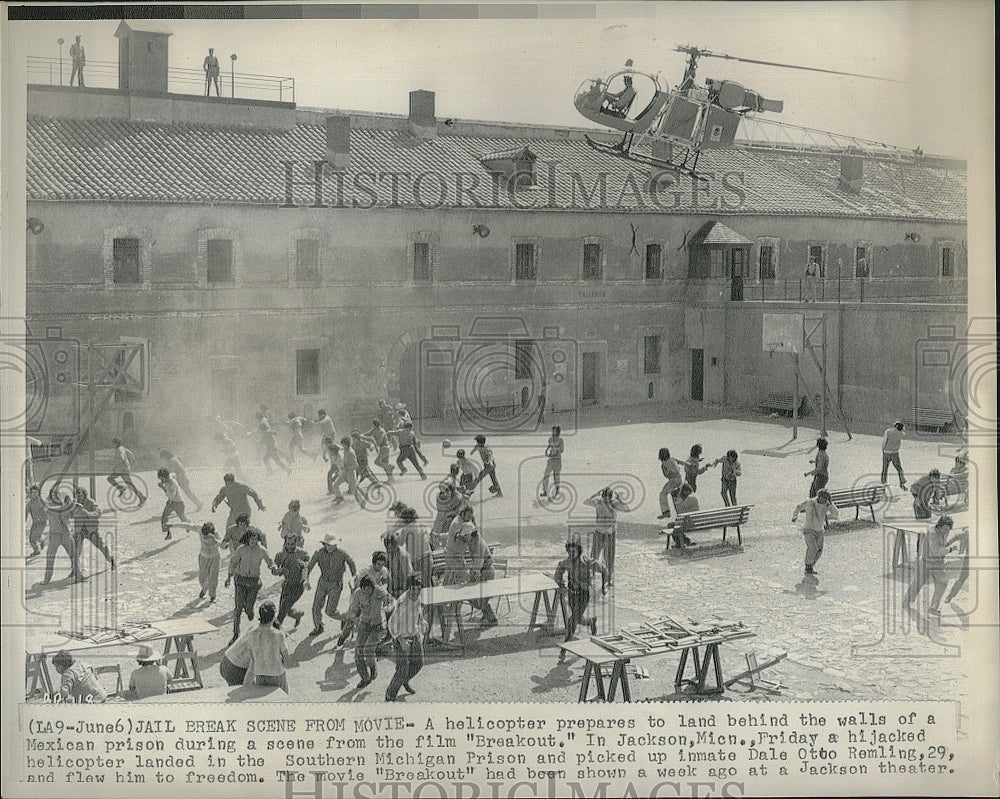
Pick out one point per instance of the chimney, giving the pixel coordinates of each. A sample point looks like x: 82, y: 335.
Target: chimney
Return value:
x: 338, y: 141
x: 660, y: 178
x: 852, y: 167
x: 423, y: 123
x: 142, y: 56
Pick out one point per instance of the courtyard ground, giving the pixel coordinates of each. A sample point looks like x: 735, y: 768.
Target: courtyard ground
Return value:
x: 845, y: 632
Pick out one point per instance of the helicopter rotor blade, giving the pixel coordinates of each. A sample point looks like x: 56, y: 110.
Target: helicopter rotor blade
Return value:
x: 710, y: 54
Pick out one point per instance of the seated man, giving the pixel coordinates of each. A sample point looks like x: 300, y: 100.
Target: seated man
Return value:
x: 618, y: 103
x: 687, y: 502
x: 150, y: 679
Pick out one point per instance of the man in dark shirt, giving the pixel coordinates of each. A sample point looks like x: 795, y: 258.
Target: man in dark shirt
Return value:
x: 577, y: 568
x: 290, y: 563
x: 237, y: 497
x: 332, y: 561
x: 925, y: 492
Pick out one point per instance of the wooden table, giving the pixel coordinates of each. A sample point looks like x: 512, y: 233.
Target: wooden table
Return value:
x: 596, y: 657
x: 919, y: 529
x: 444, y: 600
x: 177, y: 635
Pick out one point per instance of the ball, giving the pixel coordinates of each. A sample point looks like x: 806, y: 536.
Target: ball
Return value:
x: 446, y: 443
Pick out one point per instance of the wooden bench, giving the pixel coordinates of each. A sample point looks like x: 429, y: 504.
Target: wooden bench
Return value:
x: 861, y: 496
x: 941, y: 421
x: 495, y: 406
x: 782, y: 403
x: 710, y: 520
x: 956, y: 485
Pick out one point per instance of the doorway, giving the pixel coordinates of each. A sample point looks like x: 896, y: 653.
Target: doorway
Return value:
x: 698, y: 375
x: 588, y: 378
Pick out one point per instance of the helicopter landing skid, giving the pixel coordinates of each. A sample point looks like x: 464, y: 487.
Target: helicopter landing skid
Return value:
x: 621, y: 150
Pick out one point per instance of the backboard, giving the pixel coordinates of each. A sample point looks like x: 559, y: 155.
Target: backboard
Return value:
x: 782, y: 332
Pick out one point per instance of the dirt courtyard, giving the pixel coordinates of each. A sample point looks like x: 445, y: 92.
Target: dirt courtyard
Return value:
x: 844, y: 633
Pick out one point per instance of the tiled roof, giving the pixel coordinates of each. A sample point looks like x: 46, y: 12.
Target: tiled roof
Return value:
x: 121, y: 160
x: 512, y: 153
x: 720, y: 234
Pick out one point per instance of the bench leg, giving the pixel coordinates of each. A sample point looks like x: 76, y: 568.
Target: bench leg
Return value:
x: 534, y: 610
x: 739, y: 535
x: 857, y: 512
x: 585, y: 682
x: 872, y: 509
x: 724, y: 534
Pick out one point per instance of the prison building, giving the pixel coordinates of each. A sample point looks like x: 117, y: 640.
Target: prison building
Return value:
x: 308, y: 259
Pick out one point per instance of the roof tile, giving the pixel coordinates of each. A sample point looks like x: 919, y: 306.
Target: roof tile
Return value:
x: 186, y: 163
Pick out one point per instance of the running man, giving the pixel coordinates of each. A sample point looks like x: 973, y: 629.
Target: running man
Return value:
x: 123, y: 462
x: 290, y: 564
x: 237, y: 496
x: 378, y: 435
x: 244, y: 567
x: 86, y: 518
x: 174, y: 502
x: 362, y: 445
x: 269, y: 443
x: 35, y: 510
x: 407, y: 450
x: 324, y: 428
x: 231, y: 453
x: 489, y: 466
x: 175, y: 465
x: 332, y: 561
x: 348, y: 474
x: 672, y: 487
x: 577, y: 569
x: 467, y: 472
x: 297, y: 440
x: 553, y: 464
x: 407, y: 627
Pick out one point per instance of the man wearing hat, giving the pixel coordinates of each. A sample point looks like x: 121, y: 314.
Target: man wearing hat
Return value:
x: 890, y: 451
x: 150, y: 679
x: 332, y: 561
x: 79, y: 56
x: 211, y: 67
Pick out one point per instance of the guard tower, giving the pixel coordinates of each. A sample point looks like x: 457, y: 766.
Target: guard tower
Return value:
x: 142, y: 56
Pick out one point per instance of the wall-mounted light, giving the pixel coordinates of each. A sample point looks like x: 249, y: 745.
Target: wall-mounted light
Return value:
x: 481, y: 230
x: 914, y: 237
x: 35, y: 225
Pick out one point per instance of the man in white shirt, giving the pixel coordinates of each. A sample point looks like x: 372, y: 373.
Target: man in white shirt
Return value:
x: 407, y: 627
x: 817, y: 510
x: 891, y: 442
x: 123, y: 463
x: 151, y: 678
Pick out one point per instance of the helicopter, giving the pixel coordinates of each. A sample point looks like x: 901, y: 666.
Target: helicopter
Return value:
x: 692, y: 118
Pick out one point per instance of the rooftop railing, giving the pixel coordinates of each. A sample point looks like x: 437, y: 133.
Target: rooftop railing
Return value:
x: 180, y: 80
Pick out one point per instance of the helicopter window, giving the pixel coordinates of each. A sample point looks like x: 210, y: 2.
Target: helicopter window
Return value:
x: 592, y: 261
x: 654, y: 261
